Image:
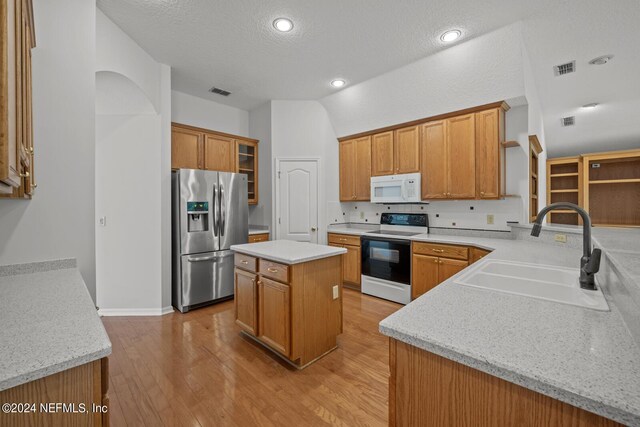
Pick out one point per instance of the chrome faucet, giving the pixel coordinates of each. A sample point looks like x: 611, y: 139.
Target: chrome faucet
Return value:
x: 590, y: 261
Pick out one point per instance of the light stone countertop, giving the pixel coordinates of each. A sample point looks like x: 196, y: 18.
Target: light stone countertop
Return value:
x: 48, y: 323
x: 258, y: 229
x: 287, y: 251
x: 582, y: 357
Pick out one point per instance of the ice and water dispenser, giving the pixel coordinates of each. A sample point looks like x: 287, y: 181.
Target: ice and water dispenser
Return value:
x: 197, y: 216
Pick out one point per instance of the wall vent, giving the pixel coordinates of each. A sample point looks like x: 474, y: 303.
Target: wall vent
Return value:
x: 562, y: 69
x: 568, y: 121
x: 219, y: 91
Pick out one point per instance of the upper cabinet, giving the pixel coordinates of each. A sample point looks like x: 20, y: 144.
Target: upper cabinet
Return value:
x: 395, y: 152
x: 490, y: 153
x: 219, y: 153
x: 407, y: 150
x: 382, y: 154
x: 459, y: 155
x: 195, y: 148
x: 17, y: 32
x: 355, y: 169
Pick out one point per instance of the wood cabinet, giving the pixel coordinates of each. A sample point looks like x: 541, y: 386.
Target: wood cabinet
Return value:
x: 17, y: 177
x: 296, y: 314
x: 432, y: 264
x: 396, y: 152
x: 355, y: 169
x: 406, y: 157
x: 274, y: 325
x: 429, y: 390
x: 186, y: 148
x: 351, y: 261
x: 460, y: 155
x: 434, y: 160
x: 476, y: 254
x: 382, y: 154
x: 197, y: 148
x: 219, y: 153
x: 490, y: 153
x: 87, y: 383
x: 255, y: 238
x: 247, y: 163
x: 246, y: 300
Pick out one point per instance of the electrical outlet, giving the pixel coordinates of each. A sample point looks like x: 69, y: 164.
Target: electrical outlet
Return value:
x: 490, y: 219
x: 361, y: 215
x: 562, y: 238
x: 336, y: 292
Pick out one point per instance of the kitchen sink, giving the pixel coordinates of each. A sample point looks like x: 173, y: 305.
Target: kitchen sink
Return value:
x: 545, y: 282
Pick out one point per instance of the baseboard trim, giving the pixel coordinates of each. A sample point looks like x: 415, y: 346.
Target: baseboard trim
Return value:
x: 112, y: 312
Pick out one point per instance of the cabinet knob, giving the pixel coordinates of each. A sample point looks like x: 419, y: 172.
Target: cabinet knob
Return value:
x: 25, y: 175
x: 438, y: 250
x: 244, y: 262
x: 482, y: 193
x: 272, y: 270
x: 435, y: 260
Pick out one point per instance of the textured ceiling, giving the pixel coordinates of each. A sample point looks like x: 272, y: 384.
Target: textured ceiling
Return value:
x: 581, y: 31
x: 232, y: 45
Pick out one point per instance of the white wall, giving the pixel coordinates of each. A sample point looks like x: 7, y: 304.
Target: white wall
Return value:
x: 59, y: 221
x: 302, y: 129
x: 480, y: 71
x: 260, y: 128
x: 190, y: 110
x: 133, y: 183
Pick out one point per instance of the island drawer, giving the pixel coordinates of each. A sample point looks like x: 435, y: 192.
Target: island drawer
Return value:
x: 444, y: 251
x: 344, y: 239
x: 246, y: 262
x: 274, y: 270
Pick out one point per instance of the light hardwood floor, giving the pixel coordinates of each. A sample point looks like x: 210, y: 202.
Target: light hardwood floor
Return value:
x: 196, y: 369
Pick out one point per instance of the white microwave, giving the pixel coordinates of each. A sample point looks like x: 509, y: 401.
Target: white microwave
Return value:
x: 396, y: 188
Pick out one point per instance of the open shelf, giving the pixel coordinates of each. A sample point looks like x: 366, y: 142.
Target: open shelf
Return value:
x: 556, y: 175
x: 573, y: 190
x: 510, y: 144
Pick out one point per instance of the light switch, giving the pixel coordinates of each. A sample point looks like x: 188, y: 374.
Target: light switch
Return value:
x: 336, y: 292
x: 103, y: 221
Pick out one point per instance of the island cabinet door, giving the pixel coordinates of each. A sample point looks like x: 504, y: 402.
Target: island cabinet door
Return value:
x: 424, y: 273
x: 246, y: 301
x: 449, y: 267
x: 274, y: 313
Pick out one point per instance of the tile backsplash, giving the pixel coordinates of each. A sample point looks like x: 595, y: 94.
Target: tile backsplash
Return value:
x: 473, y: 214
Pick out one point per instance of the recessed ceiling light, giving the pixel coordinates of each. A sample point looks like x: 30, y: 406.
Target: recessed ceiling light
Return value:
x: 283, y: 24
x: 338, y: 83
x: 450, y: 36
x: 590, y: 106
x: 601, y: 60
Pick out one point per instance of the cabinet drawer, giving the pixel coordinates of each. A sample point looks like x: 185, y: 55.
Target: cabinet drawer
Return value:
x: 444, y: 251
x: 274, y: 270
x: 344, y: 239
x: 255, y: 238
x: 246, y: 262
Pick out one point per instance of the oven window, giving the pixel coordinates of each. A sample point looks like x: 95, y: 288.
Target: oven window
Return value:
x: 387, y: 259
x: 391, y: 191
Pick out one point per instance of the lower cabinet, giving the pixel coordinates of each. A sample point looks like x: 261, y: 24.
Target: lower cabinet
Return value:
x: 246, y: 300
x: 294, y: 310
x: 351, y: 261
x: 428, y: 271
x: 274, y: 325
x: 476, y: 254
x: 255, y: 238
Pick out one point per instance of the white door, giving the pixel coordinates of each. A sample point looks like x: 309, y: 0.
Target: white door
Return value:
x: 297, y: 200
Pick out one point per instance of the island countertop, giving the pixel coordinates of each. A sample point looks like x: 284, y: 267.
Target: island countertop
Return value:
x: 287, y: 251
x: 583, y: 357
x: 48, y: 320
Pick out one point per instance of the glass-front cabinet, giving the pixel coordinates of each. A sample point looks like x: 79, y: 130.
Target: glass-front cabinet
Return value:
x: 248, y: 165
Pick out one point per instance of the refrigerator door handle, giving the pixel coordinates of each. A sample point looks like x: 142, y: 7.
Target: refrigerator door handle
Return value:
x: 215, y: 210
x: 223, y: 210
x: 204, y: 258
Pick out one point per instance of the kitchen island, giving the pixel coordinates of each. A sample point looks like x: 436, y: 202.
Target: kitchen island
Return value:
x: 520, y: 360
x: 288, y: 297
x: 54, y: 347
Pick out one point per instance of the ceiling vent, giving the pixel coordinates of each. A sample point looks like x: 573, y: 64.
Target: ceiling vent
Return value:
x: 562, y: 69
x: 219, y: 91
x: 568, y: 121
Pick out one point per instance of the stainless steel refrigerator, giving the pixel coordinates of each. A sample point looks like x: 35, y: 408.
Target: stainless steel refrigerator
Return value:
x: 209, y: 214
